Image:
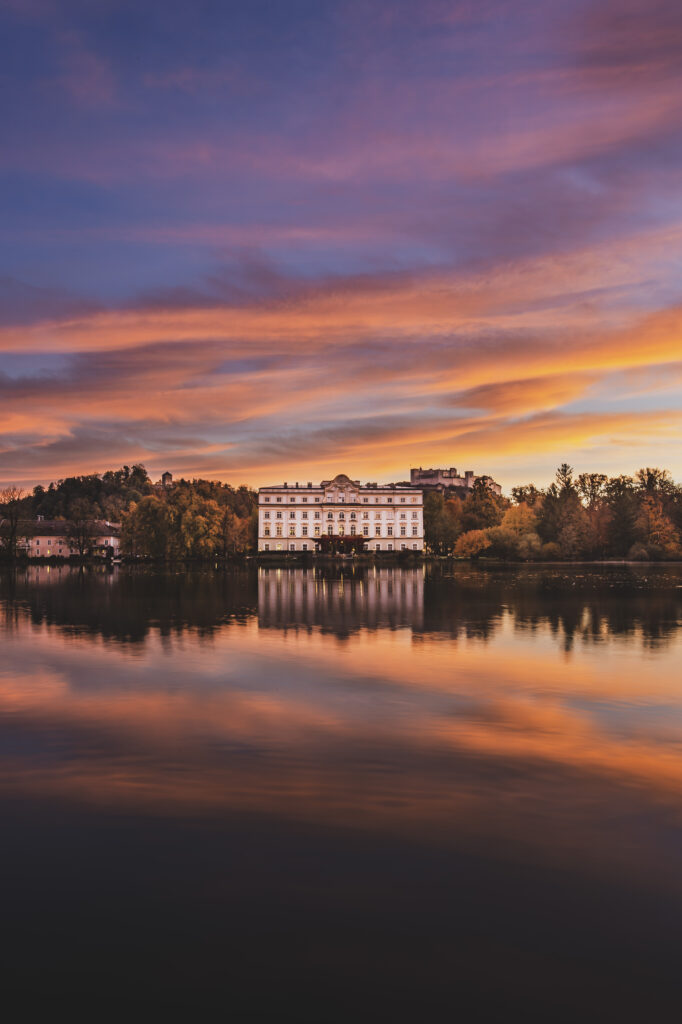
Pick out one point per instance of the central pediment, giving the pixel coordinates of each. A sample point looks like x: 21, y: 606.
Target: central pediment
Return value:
x: 341, y: 480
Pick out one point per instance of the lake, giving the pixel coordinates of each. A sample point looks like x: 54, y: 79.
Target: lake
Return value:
x: 343, y: 794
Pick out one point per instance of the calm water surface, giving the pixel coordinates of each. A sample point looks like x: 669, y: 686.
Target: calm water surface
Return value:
x: 370, y: 795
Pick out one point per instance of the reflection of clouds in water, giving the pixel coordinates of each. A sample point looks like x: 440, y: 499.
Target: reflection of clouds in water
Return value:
x: 366, y: 700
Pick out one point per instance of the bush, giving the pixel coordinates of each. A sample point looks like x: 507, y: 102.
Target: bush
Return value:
x: 471, y: 543
x: 638, y: 553
x: 504, y: 543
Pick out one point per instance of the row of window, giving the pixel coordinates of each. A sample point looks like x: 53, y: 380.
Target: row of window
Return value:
x: 304, y: 547
x: 339, y: 515
x: 341, y: 531
x: 382, y: 499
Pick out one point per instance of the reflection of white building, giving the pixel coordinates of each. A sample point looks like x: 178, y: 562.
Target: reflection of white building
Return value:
x: 295, y: 517
x: 380, y: 597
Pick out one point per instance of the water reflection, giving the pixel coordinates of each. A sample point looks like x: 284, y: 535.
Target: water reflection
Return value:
x: 407, y: 779
x: 588, y: 605
x: 341, y: 603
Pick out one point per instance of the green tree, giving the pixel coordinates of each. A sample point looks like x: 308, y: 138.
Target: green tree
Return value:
x: 482, y: 508
x: 622, y: 502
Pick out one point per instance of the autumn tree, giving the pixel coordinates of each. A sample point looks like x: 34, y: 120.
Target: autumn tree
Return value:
x: 526, y: 494
x: 657, y: 531
x: 471, y: 544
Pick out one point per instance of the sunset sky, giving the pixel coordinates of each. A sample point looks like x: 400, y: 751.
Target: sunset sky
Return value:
x: 266, y: 241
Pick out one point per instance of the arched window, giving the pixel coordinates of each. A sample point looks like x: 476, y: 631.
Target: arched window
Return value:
x: 330, y: 515
x: 353, y: 515
x: 342, y: 515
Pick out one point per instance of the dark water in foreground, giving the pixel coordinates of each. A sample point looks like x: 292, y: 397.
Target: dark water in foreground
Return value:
x: 390, y: 795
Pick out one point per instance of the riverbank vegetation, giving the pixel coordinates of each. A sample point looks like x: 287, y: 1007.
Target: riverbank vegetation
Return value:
x: 589, y: 516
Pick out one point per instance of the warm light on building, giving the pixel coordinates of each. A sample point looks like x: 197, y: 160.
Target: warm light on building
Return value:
x: 372, y: 517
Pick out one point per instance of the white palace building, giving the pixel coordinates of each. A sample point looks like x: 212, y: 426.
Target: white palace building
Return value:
x: 297, y: 517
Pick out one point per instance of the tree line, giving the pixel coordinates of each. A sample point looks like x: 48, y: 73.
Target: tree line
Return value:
x: 589, y: 516
x: 190, y: 519
x: 585, y: 516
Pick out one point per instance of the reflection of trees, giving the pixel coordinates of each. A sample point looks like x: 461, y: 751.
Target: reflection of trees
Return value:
x: 587, y: 603
x: 584, y: 604
x: 125, y: 605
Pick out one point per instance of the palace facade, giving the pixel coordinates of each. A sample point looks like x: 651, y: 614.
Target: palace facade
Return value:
x: 306, y: 517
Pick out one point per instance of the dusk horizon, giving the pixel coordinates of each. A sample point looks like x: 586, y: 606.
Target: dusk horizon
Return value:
x: 277, y: 241
x: 341, y: 509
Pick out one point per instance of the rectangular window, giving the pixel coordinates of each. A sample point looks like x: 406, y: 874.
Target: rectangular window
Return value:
x: 266, y: 515
x: 377, y: 529
x: 365, y: 531
x: 279, y: 529
x: 304, y: 499
x: 330, y: 529
x: 317, y: 499
x: 279, y: 515
x: 266, y: 547
x: 278, y: 499
x: 365, y: 500
x: 266, y: 531
x: 415, y: 531
x: 305, y: 546
x: 414, y: 547
x: 304, y: 515
x: 403, y: 500
x: 317, y: 515
x: 378, y: 547
x: 317, y: 531
x: 389, y: 500
x: 292, y: 547
x: 403, y: 516
x: 266, y: 499
x: 390, y: 530
x: 403, y: 531
x: 403, y: 547
x: 292, y: 530
x: 389, y: 547
x: 304, y: 530
x: 414, y: 515
x: 292, y: 515
x: 352, y: 529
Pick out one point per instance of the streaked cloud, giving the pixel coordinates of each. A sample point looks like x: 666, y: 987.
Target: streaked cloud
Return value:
x: 387, y: 234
